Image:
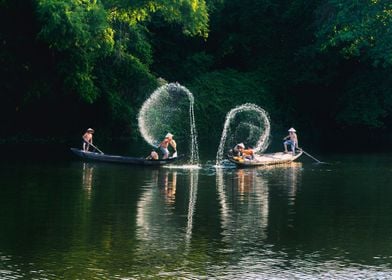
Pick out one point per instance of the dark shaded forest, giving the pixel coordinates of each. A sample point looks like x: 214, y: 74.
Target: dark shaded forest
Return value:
x: 323, y: 67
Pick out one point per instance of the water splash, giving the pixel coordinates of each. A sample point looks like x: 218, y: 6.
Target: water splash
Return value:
x: 246, y: 123
x: 163, y: 111
x: 194, y: 179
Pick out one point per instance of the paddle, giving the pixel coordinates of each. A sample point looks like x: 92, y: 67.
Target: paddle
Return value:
x: 95, y: 147
x: 312, y: 157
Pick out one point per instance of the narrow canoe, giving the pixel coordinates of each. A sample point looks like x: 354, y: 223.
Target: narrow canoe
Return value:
x: 121, y: 159
x: 266, y: 159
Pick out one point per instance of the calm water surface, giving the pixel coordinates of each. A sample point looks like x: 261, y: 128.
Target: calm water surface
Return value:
x: 73, y: 220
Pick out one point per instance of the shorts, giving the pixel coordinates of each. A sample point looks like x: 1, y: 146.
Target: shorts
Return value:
x: 291, y: 143
x: 164, y: 151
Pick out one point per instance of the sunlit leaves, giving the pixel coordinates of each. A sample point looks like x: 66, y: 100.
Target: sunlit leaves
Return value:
x: 357, y: 28
x: 78, y: 32
x: 75, y: 23
x: 82, y: 31
x: 191, y: 14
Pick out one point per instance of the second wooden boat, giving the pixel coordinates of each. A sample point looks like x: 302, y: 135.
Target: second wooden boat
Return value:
x: 265, y: 159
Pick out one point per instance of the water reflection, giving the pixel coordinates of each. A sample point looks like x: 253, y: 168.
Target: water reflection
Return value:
x: 245, y: 198
x: 280, y: 222
x: 292, y: 175
x: 288, y: 176
x: 167, y: 183
x: 285, y: 180
x: 87, y: 178
x: 244, y: 205
x: 159, y: 227
x: 194, y: 182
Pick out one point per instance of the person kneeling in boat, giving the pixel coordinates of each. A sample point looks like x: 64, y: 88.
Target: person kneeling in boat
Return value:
x: 292, y: 140
x: 153, y: 155
x: 248, y: 154
x: 164, y: 145
x: 237, y: 150
x: 87, y: 139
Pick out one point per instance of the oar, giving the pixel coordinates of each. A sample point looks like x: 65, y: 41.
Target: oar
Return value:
x: 95, y: 147
x: 312, y: 157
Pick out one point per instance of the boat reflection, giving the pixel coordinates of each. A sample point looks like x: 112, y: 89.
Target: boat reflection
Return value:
x: 288, y: 176
x: 158, y: 224
x: 243, y: 197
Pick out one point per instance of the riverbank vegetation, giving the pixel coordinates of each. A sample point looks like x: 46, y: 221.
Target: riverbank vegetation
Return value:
x: 321, y: 66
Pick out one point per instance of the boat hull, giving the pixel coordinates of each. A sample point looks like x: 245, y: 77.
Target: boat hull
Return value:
x: 266, y: 159
x: 92, y: 156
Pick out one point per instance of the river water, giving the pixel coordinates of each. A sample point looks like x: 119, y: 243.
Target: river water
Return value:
x: 68, y: 219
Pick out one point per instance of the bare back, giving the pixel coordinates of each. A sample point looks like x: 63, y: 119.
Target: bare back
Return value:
x: 88, y: 137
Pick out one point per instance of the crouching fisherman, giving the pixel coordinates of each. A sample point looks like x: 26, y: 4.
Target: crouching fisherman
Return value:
x: 239, y: 152
x: 164, y: 145
x: 153, y: 155
x: 248, y: 154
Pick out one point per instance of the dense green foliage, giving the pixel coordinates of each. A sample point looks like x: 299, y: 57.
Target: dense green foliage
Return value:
x: 360, y: 29
x: 231, y: 88
x: 321, y: 66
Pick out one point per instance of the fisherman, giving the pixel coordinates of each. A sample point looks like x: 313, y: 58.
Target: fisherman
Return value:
x: 164, y: 145
x: 240, y: 153
x: 248, y: 153
x: 153, y: 155
x: 238, y: 149
x: 292, y: 140
x: 87, y: 139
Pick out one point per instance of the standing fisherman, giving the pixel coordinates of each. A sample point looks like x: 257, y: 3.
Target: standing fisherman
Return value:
x: 87, y: 139
x: 292, y: 140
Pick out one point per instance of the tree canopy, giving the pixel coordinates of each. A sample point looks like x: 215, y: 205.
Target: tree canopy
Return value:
x: 357, y: 29
x: 317, y: 65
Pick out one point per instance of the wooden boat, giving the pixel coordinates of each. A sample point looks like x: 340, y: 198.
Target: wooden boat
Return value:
x: 121, y: 159
x: 265, y: 159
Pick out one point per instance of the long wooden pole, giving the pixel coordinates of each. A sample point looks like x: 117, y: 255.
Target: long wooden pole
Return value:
x: 95, y: 147
x: 312, y: 157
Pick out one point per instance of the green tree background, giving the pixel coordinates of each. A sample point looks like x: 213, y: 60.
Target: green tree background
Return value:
x: 321, y: 66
